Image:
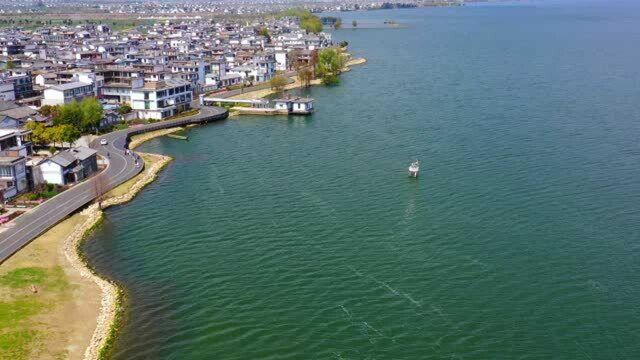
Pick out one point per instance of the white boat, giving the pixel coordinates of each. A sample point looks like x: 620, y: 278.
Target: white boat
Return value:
x: 414, y: 169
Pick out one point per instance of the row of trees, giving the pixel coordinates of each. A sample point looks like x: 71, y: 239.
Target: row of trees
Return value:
x: 60, y: 134
x: 84, y: 116
x: 308, y: 21
x: 326, y: 64
x: 335, y: 22
x: 70, y: 121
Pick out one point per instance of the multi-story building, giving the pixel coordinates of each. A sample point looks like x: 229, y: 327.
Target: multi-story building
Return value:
x: 160, y: 99
x: 66, y: 93
x: 266, y: 63
x: 191, y: 71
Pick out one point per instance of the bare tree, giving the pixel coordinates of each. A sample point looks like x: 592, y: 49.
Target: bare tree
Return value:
x: 99, y: 186
x: 305, y: 75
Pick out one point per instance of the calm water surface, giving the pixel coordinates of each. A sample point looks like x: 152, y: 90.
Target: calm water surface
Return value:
x: 303, y: 237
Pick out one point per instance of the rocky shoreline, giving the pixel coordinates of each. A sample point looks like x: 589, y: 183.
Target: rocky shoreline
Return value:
x: 111, y: 293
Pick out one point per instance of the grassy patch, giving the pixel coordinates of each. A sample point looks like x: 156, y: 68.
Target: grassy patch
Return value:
x: 18, y: 329
x: 122, y: 189
x: 185, y: 113
x: 51, y: 279
x: 13, y: 312
x: 23, y: 277
x: 15, y: 344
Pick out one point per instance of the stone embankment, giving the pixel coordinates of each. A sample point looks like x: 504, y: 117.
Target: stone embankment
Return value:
x: 110, y: 291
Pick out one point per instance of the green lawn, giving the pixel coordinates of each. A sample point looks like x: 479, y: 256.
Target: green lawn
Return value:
x: 18, y: 305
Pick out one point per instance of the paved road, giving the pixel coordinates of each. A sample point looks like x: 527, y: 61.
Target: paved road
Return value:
x: 120, y: 169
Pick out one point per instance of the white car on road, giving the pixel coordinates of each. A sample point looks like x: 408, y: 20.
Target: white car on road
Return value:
x: 103, y: 142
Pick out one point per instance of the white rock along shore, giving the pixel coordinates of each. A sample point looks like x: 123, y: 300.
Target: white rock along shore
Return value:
x: 109, y: 303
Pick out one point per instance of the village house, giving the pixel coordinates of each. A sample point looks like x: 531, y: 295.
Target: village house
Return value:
x: 69, y: 166
x: 66, y: 93
x: 14, y: 150
x: 295, y: 105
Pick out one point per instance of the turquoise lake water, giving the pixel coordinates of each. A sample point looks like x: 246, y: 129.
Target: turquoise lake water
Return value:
x: 303, y: 237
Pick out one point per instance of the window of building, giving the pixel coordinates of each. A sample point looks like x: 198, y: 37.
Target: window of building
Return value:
x: 6, y: 171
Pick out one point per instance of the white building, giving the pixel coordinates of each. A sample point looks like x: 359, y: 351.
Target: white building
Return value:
x: 69, y: 166
x: 295, y: 105
x: 90, y: 77
x: 66, y: 93
x: 160, y: 99
x: 281, y: 61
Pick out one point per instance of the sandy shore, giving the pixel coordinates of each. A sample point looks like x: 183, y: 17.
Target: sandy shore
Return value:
x: 353, y: 62
x: 137, y: 140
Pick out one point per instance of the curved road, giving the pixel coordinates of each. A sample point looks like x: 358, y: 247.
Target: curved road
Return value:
x: 121, y: 168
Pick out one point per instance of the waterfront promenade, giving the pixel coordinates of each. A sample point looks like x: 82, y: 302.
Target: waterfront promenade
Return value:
x: 121, y: 168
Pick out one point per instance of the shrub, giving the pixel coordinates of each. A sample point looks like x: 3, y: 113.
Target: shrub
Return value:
x: 124, y: 109
x: 330, y: 79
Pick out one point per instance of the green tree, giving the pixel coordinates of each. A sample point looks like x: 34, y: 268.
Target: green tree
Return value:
x: 311, y: 24
x: 265, y: 32
x: 124, y: 109
x: 329, y: 65
x: 52, y: 135
x: 10, y: 65
x: 70, y: 114
x: 92, y: 113
x: 278, y: 82
x: 67, y: 134
x: 308, y: 21
x: 38, y: 130
x: 49, y: 110
x: 338, y: 24
x: 354, y: 23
